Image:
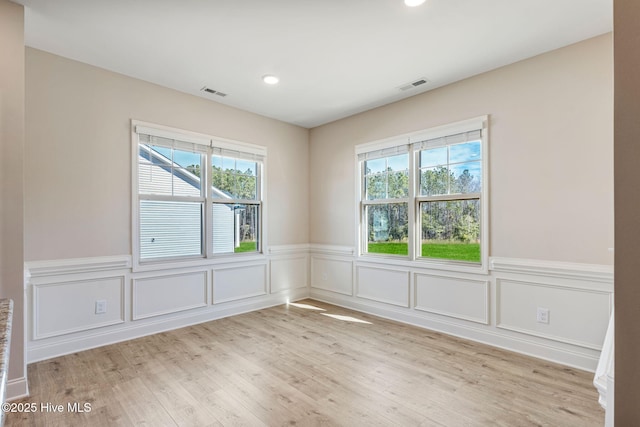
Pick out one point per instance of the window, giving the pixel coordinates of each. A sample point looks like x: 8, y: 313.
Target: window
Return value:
x: 235, y: 202
x: 386, y: 203
x: 179, y: 217
x: 449, y: 200
x: 422, y: 197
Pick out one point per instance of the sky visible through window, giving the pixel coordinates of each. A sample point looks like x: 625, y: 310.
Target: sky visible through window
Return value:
x: 182, y: 158
x: 456, y: 158
x: 185, y: 158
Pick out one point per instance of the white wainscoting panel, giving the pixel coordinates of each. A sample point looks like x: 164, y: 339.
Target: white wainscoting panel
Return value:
x: 498, y: 308
x: 52, y: 302
x: 237, y: 282
x: 289, y: 273
x: 452, y: 296
x: 158, y: 295
x: 331, y: 274
x: 387, y: 285
x: 576, y: 316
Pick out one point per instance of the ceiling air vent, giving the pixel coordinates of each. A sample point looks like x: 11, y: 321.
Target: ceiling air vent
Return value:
x: 413, y: 84
x: 213, y: 92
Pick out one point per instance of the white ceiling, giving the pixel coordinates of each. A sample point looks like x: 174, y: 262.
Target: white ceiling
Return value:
x: 334, y: 58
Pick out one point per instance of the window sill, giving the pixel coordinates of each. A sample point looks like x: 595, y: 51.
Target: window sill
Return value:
x: 425, y: 264
x: 174, y: 264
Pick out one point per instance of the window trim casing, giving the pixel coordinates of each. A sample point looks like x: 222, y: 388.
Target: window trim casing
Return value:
x: 209, y: 141
x: 414, y: 257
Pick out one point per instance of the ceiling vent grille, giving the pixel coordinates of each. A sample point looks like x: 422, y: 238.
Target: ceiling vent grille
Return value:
x: 213, y: 92
x: 413, y: 84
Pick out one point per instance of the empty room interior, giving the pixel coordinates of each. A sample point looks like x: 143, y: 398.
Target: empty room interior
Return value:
x: 319, y: 213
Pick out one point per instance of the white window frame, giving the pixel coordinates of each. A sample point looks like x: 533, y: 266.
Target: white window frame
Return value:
x: 414, y: 140
x: 209, y: 144
x: 383, y: 150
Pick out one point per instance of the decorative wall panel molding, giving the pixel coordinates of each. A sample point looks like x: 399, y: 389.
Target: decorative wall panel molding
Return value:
x: 332, y: 274
x: 238, y: 282
x: 289, y: 273
x: 498, y: 308
x: 165, y: 294
x: 478, y: 306
x: 390, y: 286
x: 62, y: 296
x: 575, y: 316
x: 60, y: 308
x: 455, y: 297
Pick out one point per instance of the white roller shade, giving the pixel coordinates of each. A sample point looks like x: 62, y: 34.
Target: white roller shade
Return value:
x: 177, y: 144
x: 473, y: 135
x: 164, y: 135
x: 224, y: 152
x: 384, y: 152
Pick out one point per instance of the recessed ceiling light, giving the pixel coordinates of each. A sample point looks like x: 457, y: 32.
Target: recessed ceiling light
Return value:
x: 270, y: 79
x: 413, y: 3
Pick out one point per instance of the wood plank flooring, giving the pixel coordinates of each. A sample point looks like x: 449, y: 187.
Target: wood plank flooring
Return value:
x: 293, y: 365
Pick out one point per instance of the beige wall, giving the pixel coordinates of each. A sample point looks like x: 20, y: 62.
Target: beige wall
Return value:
x: 78, y: 156
x: 551, y: 154
x: 627, y: 208
x: 11, y: 181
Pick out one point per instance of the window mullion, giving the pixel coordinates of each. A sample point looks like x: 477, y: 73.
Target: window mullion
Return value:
x: 166, y: 198
x: 385, y: 201
x: 236, y: 201
x: 208, y: 215
x: 448, y: 170
x: 449, y: 197
x: 386, y: 177
x: 411, y: 212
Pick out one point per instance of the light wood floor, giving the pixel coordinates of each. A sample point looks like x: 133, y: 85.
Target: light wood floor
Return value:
x: 290, y: 365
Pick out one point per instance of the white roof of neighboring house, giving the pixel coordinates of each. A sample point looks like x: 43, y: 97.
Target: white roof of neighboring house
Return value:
x: 156, y: 173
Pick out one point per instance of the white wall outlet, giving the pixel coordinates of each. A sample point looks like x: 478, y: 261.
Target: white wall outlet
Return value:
x: 542, y: 315
x: 101, y: 306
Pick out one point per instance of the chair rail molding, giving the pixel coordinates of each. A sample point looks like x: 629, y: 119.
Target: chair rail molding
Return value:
x: 76, y: 265
x: 332, y: 249
x: 299, y: 249
x: 567, y: 270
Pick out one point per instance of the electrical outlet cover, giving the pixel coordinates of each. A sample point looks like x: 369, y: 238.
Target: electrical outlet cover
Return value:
x: 101, y: 306
x: 542, y: 315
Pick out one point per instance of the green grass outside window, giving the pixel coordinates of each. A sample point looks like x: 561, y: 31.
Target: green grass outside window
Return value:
x: 249, y: 246
x: 441, y: 250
